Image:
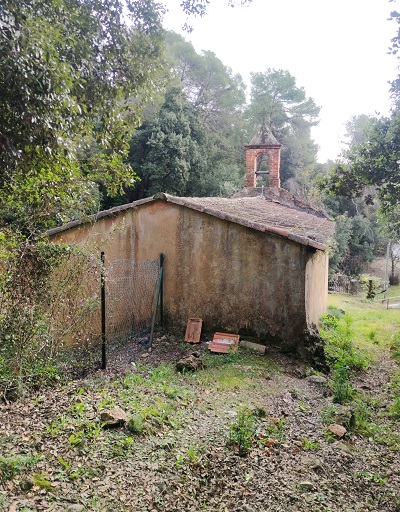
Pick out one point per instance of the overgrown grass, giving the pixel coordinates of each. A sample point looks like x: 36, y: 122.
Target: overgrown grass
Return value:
x: 356, y: 332
x: 367, y: 317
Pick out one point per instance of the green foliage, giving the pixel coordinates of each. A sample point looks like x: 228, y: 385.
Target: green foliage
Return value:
x: 371, y: 477
x: 122, y: 447
x: 73, y: 76
x: 339, y: 347
x: 289, y: 115
x: 374, y: 162
x: 42, y: 481
x: 43, y: 300
x: 135, y: 424
x: 176, y: 152
x: 341, y: 354
x: 275, y: 430
x: 395, y: 349
x: 358, y: 235
x: 241, y: 434
x: 341, y: 388
x: 369, y: 285
x: 395, y: 408
x: 310, y: 445
x: 199, y: 7
x: 13, y: 465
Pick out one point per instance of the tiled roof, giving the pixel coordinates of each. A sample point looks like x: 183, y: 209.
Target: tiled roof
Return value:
x: 304, y: 226
x: 307, y: 228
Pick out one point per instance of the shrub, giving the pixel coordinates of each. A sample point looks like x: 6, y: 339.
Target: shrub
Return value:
x: 42, y: 303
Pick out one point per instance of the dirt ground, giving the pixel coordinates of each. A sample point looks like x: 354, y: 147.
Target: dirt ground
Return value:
x: 180, y: 451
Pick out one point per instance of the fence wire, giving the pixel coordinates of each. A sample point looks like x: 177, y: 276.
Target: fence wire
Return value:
x: 130, y: 299
x: 341, y: 283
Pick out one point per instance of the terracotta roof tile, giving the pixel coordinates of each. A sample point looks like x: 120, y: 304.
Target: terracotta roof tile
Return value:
x: 299, y: 225
x: 304, y: 226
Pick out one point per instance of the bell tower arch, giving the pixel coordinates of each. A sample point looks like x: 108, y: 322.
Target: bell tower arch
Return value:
x: 263, y: 143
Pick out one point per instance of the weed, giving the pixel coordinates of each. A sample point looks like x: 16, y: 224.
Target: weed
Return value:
x: 310, y: 445
x: 179, y: 460
x: 328, y: 414
x: 76, y: 439
x: 340, y: 386
x: 42, y: 480
x: 371, y: 477
x: 132, y: 380
x: 395, y: 382
x: 259, y: 412
x: 162, y: 373
x: 170, y: 392
x: 77, y: 409
x: 11, y: 466
x: 372, y: 336
x: 193, y: 456
x: 57, y: 425
x: 122, y: 447
x: 275, y: 430
x: 241, y: 433
x: 302, y: 408
x: 395, y: 409
x: 339, y: 345
x: 93, y: 430
x: 395, y: 348
x: 136, y: 425
x: 231, y: 357
x: 72, y: 473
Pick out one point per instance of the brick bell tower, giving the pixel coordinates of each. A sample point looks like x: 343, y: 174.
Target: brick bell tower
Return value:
x: 264, y: 143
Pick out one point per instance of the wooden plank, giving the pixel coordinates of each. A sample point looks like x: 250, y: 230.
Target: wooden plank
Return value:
x: 193, y: 330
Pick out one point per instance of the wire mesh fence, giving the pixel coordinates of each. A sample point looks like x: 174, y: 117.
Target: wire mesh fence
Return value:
x: 130, y: 299
x: 341, y: 283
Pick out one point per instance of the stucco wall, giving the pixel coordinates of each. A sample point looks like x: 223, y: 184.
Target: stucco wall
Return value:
x: 316, y: 286
x: 233, y: 277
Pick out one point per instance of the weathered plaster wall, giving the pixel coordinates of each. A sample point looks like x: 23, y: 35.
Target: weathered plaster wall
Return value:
x: 316, y: 286
x: 231, y: 276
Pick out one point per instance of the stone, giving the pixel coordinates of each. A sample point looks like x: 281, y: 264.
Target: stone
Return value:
x: 310, y: 462
x: 113, y: 417
x: 337, y: 430
x: 253, y: 346
x: 317, y: 379
x: 247, y: 508
x: 306, y: 485
x: 75, y: 507
x: 26, y: 485
x: 190, y: 363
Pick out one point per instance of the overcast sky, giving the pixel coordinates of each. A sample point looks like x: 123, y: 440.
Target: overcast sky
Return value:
x: 336, y: 50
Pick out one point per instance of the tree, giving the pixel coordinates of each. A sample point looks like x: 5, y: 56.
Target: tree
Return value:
x: 214, y: 91
x: 289, y: 114
x: 199, y: 8
x: 357, y: 130
x: 73, y: 75
x: 170, y: 151
x: 373, y: 163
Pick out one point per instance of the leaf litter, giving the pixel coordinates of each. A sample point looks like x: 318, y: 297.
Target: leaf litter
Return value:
x: 173, y: 454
